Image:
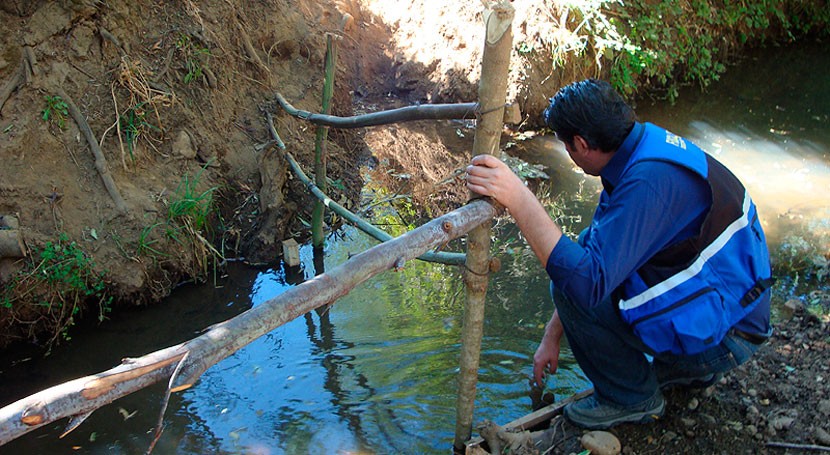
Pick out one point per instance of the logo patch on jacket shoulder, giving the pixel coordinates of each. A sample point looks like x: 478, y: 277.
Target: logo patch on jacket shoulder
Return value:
x: 675, y: 140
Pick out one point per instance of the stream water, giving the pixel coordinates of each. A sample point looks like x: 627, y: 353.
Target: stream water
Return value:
x: 377, y: 372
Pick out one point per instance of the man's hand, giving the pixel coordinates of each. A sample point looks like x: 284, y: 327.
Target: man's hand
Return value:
x: 546, y: 358
x: 489, y: 176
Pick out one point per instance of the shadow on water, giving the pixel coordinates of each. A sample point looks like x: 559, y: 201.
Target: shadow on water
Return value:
x: 376, y: 373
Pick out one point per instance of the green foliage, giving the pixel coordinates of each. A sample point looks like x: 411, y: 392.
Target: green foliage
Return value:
x: 146, y: 242
x: 195, y: 58
x: 132, y: 124
x: 60, y: 280
x: 668, y: 43
x: 56, y: 111
x: 801, y: 265
x: 188, y: 206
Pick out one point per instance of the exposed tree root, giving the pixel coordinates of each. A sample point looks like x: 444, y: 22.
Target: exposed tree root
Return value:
x: 100, y: 160
x: 250, y: 50
x: 20, y: 77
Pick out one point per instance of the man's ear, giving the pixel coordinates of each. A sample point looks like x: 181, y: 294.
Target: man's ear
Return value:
x: 580, y: 144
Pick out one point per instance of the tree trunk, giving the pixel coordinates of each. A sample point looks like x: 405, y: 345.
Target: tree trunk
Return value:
x: 80, y: 397
x: 492, y: 91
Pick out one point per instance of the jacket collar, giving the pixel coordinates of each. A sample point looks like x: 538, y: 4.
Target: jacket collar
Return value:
x: 612, y: 173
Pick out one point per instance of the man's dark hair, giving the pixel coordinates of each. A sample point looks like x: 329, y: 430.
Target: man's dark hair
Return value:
x: 592, y: 109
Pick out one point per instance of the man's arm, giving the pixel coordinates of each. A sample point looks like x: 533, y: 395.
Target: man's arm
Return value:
x: 546, y: 358
x: 491, y: 177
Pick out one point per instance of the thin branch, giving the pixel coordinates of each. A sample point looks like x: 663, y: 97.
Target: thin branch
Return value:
x: 789, y: 445
x: 160, y: 425
x: 403, y: 114
x: 363, y: 225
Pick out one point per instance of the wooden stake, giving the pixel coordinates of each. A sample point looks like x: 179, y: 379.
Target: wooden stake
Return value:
x: 319, y: 212
x: 492, y: 91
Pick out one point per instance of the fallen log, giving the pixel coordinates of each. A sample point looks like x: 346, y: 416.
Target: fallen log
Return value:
x: 80, y: 397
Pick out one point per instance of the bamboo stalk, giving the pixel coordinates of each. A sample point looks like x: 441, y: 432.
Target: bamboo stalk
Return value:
x: 363, y: 225
x: 82, y: 396
x: 319, y: 211
x: 402, y: 114
x: 492, y: 91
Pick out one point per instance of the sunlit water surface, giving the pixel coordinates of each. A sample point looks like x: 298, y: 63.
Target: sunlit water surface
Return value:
x: 377, y: 372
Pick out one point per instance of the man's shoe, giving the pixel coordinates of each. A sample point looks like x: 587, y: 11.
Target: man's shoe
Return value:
x: 699, y: 382
x: 593, y: 415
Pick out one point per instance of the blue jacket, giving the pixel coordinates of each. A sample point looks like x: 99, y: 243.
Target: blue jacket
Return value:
x: 685, y: 298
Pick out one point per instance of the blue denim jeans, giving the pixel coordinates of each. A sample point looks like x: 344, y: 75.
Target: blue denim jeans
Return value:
x: 621, y: 366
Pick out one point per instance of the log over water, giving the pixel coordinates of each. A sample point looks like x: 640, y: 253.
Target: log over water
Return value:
x: 80, y: 397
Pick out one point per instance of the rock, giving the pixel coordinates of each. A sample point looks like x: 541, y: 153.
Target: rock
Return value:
x: 791, y: 307
x: 183, y: 146
x: 782, y: 422
x: 824, y: 407
x: 688, y: 422
x: 822, y: 436
x: 694, y: 403
x: 601, y: 443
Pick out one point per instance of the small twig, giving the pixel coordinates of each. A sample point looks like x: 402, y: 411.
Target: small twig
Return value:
x: 250, y: 50
x: 166, y: 66
x: 789, y: 445
x: 31, y: 60
x: 160, y: 425
x: 110, y: 37
x: 17, y: 81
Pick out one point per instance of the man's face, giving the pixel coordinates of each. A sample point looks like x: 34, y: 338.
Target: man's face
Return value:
x: 578, y: 156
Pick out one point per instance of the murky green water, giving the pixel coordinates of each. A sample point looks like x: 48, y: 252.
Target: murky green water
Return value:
x: 376, y: 373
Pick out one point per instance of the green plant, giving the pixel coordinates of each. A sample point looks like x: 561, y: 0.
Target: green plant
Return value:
x: 195, y: 58
x: 132, y: 124
x: 668, y: 43
x: 59, y: 281
x: 146, y: 242
x: 189, y: 206
x: 56, y: 110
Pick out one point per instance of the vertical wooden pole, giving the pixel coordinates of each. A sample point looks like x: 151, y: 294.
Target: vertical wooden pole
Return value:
x: 492, y: 91
x: 320, y: 143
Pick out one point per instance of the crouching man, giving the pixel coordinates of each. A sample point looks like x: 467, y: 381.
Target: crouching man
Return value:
x: 670, y: 283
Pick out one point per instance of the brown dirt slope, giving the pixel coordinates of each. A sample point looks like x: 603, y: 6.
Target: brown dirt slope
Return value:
x: 187, y: 82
